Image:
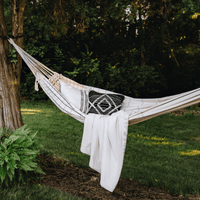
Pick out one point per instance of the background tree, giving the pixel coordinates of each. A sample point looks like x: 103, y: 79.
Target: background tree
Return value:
x: 109, y: 44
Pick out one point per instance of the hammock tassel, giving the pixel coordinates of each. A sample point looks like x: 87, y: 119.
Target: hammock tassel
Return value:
x: 37, y: 79
x: 36, y: 85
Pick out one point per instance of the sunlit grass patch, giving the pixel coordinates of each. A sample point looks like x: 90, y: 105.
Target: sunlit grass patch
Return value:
x: 159, y: 140
x: 189, y: 152
x: 26, y: 111
x: 149, y: 138
x: 29, y: 110
x: 163, y: 143
x: 29, y: 113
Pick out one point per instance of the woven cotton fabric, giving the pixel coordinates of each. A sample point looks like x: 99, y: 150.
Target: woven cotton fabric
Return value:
x: 137, y: 109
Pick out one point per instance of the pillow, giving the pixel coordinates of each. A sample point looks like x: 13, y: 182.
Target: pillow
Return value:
x: 104, y: 104
x: 77, y: 97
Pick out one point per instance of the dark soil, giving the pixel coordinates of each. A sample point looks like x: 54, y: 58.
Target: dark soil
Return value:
x: 85, y: 182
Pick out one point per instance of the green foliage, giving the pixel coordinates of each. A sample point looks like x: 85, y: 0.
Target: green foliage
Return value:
x: 8, y: 13
x: 189, y: 6
x: 17, y: 155
x: 87, y: 70
x: 168, y: 39
x: 12, y: 56
x: 128, y: 78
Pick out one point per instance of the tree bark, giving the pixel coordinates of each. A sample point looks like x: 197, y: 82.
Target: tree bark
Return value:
x: 10, y: 74
x: 1, y: 109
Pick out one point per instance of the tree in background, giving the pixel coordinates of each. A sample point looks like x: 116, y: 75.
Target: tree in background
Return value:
x: 101, y: 44
x: 10, y: 69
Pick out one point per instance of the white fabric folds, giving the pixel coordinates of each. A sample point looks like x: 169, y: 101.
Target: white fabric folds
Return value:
x: 104, y: 140
x: 78, y: 98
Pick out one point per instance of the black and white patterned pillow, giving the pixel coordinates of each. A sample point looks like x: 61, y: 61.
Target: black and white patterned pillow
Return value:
x: 104, y: 104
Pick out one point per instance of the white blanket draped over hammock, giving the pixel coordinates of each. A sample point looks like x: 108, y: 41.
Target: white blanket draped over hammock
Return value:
x: 104, y: 140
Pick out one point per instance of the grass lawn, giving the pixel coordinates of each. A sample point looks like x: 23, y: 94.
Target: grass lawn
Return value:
x: 162, y: 152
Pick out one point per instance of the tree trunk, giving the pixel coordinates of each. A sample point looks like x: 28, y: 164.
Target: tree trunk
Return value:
x: 10, y: 74
x: 141, y: 37
x: 1, y: 109
x: 168, y: 33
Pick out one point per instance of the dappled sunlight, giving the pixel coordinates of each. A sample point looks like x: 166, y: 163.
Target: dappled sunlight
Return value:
x: 28, y: 113
x: 163, y: 143
x: 34, y: 111
x: 149, y: 138
x: 160, y: 142
x: 189, y: 152
x: 27, y: 110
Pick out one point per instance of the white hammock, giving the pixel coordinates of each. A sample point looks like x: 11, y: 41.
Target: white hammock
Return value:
x: 138, y: 109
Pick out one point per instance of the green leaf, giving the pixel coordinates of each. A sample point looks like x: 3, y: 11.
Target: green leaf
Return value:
x: 10, y: 176
x: 32, y: 164
x: 20, y: 139
x: 6, y: 158
x: 25, y: 167
x: 39, y: 170
x: 4, y: 147
x: 20, y: 131
x: 2, y: 173
x: 27, y: 143
x: 18, y: 151
x: 3, y: 155
x: 29, y: 152
x: 1, y: 162
x: 12, y: 166
x: 12, y: 138
x: 14, y: 146
x: 15, y: 156
x: 32, y: 135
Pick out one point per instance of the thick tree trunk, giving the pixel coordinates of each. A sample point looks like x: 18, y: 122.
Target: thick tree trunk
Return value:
x: 10, y: 113
x: 1, y: 109
x: 10, y: 107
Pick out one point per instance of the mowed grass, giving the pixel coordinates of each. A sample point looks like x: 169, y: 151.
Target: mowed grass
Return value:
x: 162, y: 152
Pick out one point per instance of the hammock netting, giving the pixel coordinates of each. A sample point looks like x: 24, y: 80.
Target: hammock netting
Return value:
x: 138, y: 109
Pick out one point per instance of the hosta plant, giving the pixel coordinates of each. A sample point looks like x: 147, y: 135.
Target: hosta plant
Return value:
x: 17, y: 156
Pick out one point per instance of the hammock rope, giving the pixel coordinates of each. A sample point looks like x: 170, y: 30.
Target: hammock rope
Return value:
x: 138, y: 109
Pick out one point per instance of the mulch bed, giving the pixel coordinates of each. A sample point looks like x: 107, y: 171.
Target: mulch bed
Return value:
x: 85, y: 182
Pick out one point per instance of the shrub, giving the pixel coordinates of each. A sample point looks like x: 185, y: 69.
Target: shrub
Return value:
x: 17, y: 156
x: 87, y: 70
